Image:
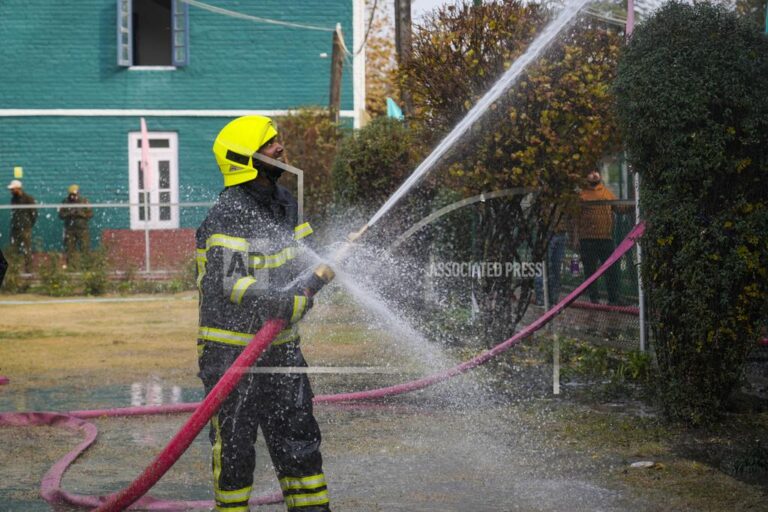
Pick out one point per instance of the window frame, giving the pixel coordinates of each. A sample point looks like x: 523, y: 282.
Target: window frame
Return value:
x: 179, y: 35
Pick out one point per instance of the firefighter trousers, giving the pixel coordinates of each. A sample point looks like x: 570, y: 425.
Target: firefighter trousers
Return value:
x: 280, y: 404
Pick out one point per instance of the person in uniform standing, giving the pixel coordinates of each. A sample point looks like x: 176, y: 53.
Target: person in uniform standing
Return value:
x: 22, y: 222
x: 77, y: 238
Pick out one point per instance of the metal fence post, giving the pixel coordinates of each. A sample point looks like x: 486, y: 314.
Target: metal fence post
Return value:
x: 550, y: 326
x: 640, y: 290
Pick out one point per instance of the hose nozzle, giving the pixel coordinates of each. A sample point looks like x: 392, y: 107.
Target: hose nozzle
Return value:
x: 357, y: 234
x: 324, y: 273
x: 342, y: 253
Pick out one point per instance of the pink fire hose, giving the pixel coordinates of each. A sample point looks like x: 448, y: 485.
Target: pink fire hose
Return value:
x: 50, y: 487
x: 196, y: 422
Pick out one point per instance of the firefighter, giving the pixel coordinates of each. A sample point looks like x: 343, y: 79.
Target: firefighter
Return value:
x: 77, y: 239
x: 248, y: 252
x: 22, y: 222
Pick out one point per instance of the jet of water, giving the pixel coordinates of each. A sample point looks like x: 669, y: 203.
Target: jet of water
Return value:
x: 426, y: 352
x: 570, y: 10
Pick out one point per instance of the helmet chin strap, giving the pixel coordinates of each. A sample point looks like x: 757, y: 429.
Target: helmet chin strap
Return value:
x: 272, y: 173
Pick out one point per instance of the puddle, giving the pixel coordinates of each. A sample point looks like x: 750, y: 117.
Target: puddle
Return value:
x: 67, y: 398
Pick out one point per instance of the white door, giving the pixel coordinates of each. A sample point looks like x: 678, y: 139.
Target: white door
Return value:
x: 159, y: 187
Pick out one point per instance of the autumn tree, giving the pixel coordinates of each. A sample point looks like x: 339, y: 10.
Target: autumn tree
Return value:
x: 380, y: 61
x: 545, y: 133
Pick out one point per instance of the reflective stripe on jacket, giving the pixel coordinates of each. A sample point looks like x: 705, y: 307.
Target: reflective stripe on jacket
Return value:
x: 247, y: 265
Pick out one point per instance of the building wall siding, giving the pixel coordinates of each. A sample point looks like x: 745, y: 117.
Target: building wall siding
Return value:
x: 56, y: 152
x: 62, y: 55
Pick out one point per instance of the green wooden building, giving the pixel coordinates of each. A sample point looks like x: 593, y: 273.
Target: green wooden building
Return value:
x: 79, y: 76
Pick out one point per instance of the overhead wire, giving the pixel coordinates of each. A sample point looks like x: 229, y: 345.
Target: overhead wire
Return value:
x: 368, y: 30
x: 348, y: 55
x: 258, y: 19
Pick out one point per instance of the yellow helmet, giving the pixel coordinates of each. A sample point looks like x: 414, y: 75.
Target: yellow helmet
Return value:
x: 236, y: 142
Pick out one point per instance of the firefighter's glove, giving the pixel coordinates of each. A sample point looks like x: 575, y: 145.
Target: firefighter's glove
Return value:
x: 294, y: 309
x: 321, y: 276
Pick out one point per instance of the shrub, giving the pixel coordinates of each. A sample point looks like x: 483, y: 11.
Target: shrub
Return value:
x: 53, y: 280
x: 94, y: 277
x: 13, y: 283
x: 370, y: 166
x: 693, y: 101
x: 186, y: 279
x: 372, y: 163
x: 311, y: 141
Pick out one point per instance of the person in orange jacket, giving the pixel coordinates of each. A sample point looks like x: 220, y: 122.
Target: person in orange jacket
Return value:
x: 594, y: 235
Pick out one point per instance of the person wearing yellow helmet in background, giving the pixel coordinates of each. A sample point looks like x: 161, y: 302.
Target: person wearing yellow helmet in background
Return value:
x: 77, y: 237
x: 248, y: 256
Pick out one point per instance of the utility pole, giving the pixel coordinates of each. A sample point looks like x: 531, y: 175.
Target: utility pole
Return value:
x: 403, y: 46
x: 337, y: 66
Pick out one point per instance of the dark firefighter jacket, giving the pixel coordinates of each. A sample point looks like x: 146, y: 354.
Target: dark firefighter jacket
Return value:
x: 75, y: 218
x: 22, y: 220
x: 3, y: 267
x: 246, y: 265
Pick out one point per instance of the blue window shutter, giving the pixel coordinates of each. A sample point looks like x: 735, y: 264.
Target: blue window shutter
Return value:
x: 180, y: 32
x: 124, y: 32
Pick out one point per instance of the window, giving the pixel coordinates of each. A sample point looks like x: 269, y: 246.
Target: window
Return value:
x: 152, y: 33
x: 155, y: 194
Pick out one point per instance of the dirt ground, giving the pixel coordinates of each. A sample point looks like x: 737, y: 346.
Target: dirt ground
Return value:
x: 461, y: 446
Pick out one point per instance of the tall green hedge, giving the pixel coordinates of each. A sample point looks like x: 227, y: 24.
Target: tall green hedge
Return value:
x: 692, y: 96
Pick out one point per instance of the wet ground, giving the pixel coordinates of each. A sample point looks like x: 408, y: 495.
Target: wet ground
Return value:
x: 451, y: 448
x: 493, y: 440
